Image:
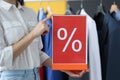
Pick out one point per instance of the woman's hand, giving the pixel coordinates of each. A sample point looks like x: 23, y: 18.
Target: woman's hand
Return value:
x: 75, y: 73
x: 41, y: 28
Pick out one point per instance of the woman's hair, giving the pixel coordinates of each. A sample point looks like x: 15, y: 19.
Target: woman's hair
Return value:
x: 21, y: 2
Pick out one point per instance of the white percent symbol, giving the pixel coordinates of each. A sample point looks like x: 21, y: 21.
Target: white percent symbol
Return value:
x: 70, y: 38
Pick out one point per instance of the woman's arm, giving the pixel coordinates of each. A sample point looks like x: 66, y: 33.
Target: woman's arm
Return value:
x: 22, y: 44
x: 72, y: 73
x: 48, y: 63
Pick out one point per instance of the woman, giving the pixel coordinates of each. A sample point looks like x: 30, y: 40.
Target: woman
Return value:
x: 20, y: 42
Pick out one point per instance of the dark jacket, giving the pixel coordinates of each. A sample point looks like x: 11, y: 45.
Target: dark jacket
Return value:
x: 113, y: 64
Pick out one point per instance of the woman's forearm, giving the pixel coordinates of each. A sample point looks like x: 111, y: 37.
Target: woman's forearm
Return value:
x: 48, y: 63
x: 22, y: 44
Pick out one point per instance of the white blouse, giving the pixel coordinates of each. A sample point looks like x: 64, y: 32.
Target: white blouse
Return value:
x: 93, y: 48
x: 15, y: 23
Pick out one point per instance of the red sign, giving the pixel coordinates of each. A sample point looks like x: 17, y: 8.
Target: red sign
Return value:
x: 69, y: 43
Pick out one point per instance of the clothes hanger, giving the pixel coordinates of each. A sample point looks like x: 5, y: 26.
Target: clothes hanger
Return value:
x: 81, y: 7
x: 69, y: 10
x: 40, y: 3
x: 41, y: 8
x: 100, y: 8
x: 114, y: 7
x: 48, y: 9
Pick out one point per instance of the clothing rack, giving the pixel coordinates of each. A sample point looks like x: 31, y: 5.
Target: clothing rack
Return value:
x: 53, y: 0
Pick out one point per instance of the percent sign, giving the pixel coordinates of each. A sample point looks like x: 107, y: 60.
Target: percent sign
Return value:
x: 70, y: 38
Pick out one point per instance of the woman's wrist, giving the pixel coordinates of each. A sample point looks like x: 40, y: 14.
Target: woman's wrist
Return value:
x: 33, y: 34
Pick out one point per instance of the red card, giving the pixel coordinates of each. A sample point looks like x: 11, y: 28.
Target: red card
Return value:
x: 69, y: 43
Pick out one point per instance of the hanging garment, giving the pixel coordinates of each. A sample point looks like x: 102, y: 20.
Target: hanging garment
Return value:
x: 113, y: 65
x: 41, y: 73
x: 103, y: 42
x: 47, y: 43
x: 117, y: 15
x: 41, y: 69
x: 93, y: 48
x: 86, y: 75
